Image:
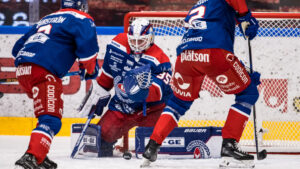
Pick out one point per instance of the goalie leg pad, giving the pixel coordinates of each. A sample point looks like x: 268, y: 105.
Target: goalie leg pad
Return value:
x: 91, y: 142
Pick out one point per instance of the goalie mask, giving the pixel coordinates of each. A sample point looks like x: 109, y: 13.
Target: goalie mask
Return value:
x: 140, y: 35
x: 81, y: 5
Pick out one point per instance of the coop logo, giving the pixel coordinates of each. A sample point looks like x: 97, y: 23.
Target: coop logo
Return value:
x: 190, y: 55
x: 240, y: 72
x: 222, y: 79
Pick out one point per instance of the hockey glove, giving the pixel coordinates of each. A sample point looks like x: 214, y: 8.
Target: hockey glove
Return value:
x: 248, y: 26
x: 94, y: 74
x: 85, y: 76
x: 97, y: 96
x: 137, y: 83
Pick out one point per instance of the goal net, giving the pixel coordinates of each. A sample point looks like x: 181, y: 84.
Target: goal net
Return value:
x: 275, y: 54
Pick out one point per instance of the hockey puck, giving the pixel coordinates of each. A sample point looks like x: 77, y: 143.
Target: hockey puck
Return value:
x: 1, y: 94
x: 127, y: 155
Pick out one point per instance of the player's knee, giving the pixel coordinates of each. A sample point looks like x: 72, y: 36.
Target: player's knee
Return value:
x: 53, y: 123
x: 177, y: 106
x: 250, y: 94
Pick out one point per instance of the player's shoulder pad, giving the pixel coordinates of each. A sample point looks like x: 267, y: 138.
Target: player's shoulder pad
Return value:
x: 121, y: 42
x: 75, y: 13
x: 156, y: 53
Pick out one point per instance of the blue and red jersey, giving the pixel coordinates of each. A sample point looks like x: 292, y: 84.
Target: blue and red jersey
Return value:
x: 119, y: 59
x: 211, y: 24
x: 57, y: 40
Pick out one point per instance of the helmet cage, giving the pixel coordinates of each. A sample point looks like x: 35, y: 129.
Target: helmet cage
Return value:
x: 140, y: 35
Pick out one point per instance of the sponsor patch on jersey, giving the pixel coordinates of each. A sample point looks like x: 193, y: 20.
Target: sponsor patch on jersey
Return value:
x: 191, y: 56
x: 240, y: 72
x: 222, y: 79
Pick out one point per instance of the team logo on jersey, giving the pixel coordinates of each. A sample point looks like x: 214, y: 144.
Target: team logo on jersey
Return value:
x: 50, y: 78
x: 222, y: 79
x: 230, y: 57
x: 180, y: 81
x: 182, y: 86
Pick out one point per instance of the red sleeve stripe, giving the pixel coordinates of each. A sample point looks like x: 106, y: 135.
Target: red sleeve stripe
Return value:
x: 105, y: 81
x: 155, y: 93
x: 159, y: 88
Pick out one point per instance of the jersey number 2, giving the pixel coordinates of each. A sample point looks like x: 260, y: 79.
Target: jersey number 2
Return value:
x: 45, y: 29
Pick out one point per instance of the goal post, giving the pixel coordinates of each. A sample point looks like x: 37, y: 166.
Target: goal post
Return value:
x: 275, y: 54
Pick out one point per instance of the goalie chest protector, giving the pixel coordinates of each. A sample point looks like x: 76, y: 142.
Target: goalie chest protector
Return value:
x: 190, y: 142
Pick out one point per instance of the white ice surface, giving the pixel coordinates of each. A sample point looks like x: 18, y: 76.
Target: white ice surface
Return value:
x: 13, y: 147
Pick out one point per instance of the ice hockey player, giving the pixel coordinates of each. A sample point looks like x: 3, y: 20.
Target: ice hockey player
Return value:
x: 207, y: 49
x: 43, y: 56
x: 140, y: 72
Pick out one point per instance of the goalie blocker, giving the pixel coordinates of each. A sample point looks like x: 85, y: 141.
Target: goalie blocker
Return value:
x: 189, y: 142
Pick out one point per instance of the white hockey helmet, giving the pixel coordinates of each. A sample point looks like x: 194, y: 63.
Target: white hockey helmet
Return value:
x: 140, y: 35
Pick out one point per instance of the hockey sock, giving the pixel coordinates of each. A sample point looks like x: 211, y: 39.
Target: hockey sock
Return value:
x: 235, y: 124
x: 39, y: 145
x: 163, y: 127
x: 41, y: 136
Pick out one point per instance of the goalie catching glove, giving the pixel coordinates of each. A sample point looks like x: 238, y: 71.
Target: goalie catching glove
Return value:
x: 248, y: 26
x: 97, y: 97
x: 137, y: 83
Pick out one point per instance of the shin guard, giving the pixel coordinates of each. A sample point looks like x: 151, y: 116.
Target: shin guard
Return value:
x: 39, y: 145
x: 235, y: 124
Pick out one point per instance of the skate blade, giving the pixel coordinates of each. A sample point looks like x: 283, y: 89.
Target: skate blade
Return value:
x: 18, y: 167
x: 229, y: 162
x: 146, y: 163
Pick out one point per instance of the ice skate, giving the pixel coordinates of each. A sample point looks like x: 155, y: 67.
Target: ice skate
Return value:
x: 27, y: 161
x: 47, y: 164
x: 234, y: 157
x: 150, y: 154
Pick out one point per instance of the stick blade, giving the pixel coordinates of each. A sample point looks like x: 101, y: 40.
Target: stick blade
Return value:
x: 262, y: 155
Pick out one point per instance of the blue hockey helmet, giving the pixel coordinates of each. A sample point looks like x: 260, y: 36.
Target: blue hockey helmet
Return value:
x: 81, y: 5
x: 140, y: 35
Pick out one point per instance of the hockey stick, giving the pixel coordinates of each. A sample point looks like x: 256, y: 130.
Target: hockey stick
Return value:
x: 90, y: 117
x: 15, y: 79
x: 260, y: 154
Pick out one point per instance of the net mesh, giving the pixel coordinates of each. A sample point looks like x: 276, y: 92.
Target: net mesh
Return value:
x: 275, y: 54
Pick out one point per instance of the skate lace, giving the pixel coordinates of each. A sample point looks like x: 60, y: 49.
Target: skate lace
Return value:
x: 238, y: 148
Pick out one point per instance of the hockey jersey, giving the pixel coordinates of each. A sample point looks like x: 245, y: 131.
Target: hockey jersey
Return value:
x: 57, y: 40
x: 211, y: 24
x: 119, y: 59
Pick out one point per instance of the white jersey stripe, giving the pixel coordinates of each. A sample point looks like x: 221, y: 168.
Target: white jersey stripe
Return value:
x: 239, y: 111
x: 41, y: 132
x: 88, y: 58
